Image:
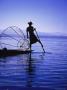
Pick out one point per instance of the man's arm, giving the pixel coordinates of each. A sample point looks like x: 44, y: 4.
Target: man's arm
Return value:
x: 36, y: 33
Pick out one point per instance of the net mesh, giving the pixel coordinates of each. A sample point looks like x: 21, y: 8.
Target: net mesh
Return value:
x: 13, y: 38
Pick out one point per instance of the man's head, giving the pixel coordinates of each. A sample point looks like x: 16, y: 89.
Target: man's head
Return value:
x: 30, y: 23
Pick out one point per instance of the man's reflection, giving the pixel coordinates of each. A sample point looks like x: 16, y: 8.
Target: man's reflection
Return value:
x: 30, y: 71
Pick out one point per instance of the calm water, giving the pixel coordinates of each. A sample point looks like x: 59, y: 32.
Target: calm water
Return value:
x: 47, y: 70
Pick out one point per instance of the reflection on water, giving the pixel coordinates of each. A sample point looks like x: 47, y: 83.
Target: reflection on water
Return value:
x: 18, y: 70
x: 47, y: 70
x: 30, y: 71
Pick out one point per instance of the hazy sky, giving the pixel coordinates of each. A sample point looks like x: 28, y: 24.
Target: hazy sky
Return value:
x: 46, y: 15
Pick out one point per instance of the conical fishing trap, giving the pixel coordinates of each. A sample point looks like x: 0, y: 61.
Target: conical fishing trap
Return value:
x: 13, y: 38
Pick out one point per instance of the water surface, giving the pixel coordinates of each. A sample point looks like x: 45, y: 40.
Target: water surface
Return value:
x: 47, y: 70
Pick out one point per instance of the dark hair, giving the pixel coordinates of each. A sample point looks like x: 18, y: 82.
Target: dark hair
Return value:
x: 30, y: 23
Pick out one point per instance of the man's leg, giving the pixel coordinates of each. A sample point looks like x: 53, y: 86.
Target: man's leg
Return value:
x: 41, y: 45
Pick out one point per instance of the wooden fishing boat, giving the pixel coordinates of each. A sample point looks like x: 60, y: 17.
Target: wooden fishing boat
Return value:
x: 4, y: 52
x: 13, y: 42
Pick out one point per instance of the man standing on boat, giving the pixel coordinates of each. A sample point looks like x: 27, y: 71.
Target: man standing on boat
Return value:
x: 31, y: 35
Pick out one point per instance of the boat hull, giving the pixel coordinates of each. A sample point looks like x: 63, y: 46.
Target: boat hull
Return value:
x: 4, y: 53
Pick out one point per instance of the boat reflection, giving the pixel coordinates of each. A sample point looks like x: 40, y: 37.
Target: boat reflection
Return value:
x: 19, y: 70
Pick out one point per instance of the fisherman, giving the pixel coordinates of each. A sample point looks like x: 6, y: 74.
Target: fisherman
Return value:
x: 31, y: 35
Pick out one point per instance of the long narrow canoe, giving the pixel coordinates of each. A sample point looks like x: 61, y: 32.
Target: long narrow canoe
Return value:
x: 5, y: 52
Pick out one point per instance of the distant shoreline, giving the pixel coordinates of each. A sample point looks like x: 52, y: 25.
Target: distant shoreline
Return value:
x: 54, y: 36
x: 43, y: 36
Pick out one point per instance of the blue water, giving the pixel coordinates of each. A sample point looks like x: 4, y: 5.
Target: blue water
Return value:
x: 47, y: 70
